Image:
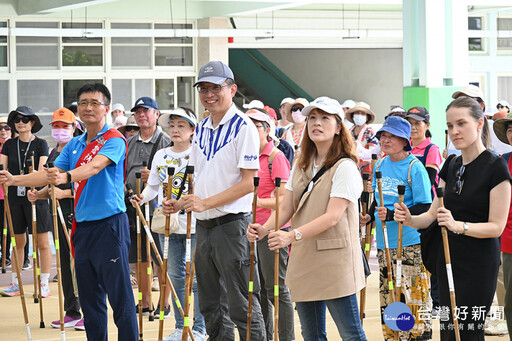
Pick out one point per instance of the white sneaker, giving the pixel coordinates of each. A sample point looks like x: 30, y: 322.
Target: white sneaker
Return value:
x: 45, y: 290
x: 496, y: 327
x: 175, y: 336
x: 198, y: 336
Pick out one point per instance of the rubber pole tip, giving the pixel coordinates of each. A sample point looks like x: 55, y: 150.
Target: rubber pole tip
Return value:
x: 41, y: 325
x: 256, y: 181
x: 36, y: 300
x: 151, y: 318
x: 4, y: 271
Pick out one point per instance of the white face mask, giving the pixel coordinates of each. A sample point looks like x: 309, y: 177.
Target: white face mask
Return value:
x: 298, y: 117
x: 359, y: 120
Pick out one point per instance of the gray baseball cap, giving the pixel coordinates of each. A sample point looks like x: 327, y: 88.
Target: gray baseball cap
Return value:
x: 215, y: 72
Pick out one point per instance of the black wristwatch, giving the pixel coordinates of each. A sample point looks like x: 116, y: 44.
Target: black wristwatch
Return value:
x: 69, y: 177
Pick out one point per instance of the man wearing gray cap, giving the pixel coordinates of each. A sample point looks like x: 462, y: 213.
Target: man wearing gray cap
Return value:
x: 225, y: 155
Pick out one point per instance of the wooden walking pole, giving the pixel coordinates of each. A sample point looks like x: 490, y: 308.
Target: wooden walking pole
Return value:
x: 68, y: 242
x: 398, y: 287
x: 251, y: 261
x: 57, y: 256
x: 378, y: 175
x: 4, y: 241
x: 155, y: 250
x: 449, y: 273
x: 446, y: 139
x: 188, y: 254
x: 148, y: 257
x: 14, y: 262
x: 170, y: 175
x: 276, y: 266
x: 365, y: 199
x: 139, y: 263
x: 35, y: 253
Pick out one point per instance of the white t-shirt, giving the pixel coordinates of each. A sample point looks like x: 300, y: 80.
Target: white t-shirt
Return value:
x: 218, y: 154
x: 346, y: 183
x: 158, y: 178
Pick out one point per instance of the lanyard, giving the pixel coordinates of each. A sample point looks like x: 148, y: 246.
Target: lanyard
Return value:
x: 22, y: 165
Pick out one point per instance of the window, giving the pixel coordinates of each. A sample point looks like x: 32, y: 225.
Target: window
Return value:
x: 41, y: 95
x: 4, y: 96
x: 82, y: 51
x: 173, y: 51
x: 40, y: 52
x: 133, y: 52
x: 164, y: 93
x: 3, y: 46
x: 186, y: 92
x: 143, y: 87
x: 122, y: 93
x: 72, y: 86
x: 475, y: 44
x: 505, y: 88
x: 504, y: 24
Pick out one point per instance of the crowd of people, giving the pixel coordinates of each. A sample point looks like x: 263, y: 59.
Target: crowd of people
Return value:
x: 317, y: 152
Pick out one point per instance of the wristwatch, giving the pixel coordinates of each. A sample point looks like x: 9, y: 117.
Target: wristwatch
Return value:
x: 298, y: 235
x: 466, y: 227
x: 69, y: 177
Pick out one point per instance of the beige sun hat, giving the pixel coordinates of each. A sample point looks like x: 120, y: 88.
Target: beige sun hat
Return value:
x: 360, y: 106
x: 304, y: 102
x: 129, y: 123
x: 500, y: 129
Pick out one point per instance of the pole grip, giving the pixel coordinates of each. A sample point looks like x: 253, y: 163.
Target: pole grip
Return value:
x: 278, y: 182
x: 256, y: 181
x: 401, y: 189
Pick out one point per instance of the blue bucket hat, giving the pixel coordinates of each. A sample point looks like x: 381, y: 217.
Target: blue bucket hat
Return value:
x: 399, y: 127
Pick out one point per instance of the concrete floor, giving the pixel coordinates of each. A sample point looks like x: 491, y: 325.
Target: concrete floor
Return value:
x: 12, y: 327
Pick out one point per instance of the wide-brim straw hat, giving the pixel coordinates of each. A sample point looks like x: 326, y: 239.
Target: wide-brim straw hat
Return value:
x: 129, y: 123
x: 500, y: 129
x: 25, y: 111
x: 360, y: 106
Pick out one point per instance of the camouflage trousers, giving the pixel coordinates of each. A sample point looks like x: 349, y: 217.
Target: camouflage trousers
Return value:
x: 414, y: 292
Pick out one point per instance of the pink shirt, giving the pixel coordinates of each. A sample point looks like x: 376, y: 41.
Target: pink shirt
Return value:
x: 280, y: 169
x: 434, y: 155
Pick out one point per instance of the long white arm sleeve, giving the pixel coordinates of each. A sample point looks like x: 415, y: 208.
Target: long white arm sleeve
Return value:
x: 149, y: 193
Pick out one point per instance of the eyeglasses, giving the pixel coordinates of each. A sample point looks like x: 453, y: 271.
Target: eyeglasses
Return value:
x: 202, y: 89
x: 500, y: 106
x: 6, y: 128
x: 294, y: 108
x: 94, y: 104
x: 459, y: 183
x: 132, y: 128
x: 23, y: 119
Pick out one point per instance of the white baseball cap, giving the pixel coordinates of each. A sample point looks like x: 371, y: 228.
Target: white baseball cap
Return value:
x: 254, y: 104
x: 326, y: 104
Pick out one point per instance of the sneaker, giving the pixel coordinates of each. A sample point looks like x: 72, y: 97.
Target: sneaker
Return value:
x: 175, y: 336
x: 80, y: 325
x: 68, y: 322
x: 12, y: 290
x: 198, y: 336
x: 55, y: 278
x: 145, y: 311
x: 155, y: 286
x: 27, y: 266
x: 45, y: 290
x: 496, y: 327
x: 167, y: 311
x: 7, y: 263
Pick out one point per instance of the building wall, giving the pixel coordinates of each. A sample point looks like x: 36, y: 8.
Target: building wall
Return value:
x: 370, y: 75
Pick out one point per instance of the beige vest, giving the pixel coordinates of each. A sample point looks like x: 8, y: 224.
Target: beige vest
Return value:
x: 328, y: 265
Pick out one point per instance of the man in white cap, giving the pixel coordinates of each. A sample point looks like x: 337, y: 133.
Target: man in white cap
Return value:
x: 225, y: 153
x: 348, y: 104
x: 283, y: 122
x: 254, y: 104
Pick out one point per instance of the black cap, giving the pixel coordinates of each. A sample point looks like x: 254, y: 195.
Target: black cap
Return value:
x: 170, y: 171
x: 278, y: 182
x: 419, y: 114
x: 256, y: 181
x: 440, y: 192
x: 401, y: 189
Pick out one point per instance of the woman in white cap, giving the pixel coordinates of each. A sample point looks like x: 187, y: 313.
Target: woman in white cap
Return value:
x: 294, y: 133
x: 273, y: 164
x: 325, y: 268
x: 181, y: 123
x: 15, y: 154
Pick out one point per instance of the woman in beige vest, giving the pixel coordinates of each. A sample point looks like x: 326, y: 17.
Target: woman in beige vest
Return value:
x: 325, y: 268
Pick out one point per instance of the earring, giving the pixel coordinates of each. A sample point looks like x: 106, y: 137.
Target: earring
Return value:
x: 337, y: 133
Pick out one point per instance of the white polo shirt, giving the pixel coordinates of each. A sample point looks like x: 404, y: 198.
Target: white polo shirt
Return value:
x: 218, y: 154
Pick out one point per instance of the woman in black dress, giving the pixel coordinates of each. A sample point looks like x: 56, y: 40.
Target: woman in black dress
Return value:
x: 477, y: 194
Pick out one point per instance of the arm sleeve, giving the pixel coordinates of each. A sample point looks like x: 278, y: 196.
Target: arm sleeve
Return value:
x: 419, y: 209
x: 432, y: 175
x: 150, y: 192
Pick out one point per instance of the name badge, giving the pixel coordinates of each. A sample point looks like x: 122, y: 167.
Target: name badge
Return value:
x: 21, y: 191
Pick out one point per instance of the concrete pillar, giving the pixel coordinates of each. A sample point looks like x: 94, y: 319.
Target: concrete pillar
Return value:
x: 212, y: 48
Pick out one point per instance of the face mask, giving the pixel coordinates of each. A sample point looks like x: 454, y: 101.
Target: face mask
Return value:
x: 359, y: 120
x: 62, y: 135
x: 298, y: 117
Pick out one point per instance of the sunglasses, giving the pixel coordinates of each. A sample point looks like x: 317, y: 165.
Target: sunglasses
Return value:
x: 23, y: 119
x: 459, y: 183
x: 6, y: 128
x: 294, y: 108
x: 132, y: 128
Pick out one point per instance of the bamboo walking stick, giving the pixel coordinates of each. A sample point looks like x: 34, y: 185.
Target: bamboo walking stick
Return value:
x: 155, y: 250
x: 449, y: 273
x: 139, y: 263
x: 148, y: 257
x: 57, y: 256
x: 4, y: 241
x: 37, y: 269
x: 276, y: 266
x: 251, y: 262
x: 170, y: 175
x: 35, y: 253
x: 188, y: 253
x: 15, y: 263
x: 398, y: 287
x: 68, y: 242
x: 446, y: 139
x: 378, y: 175
x: 365, y: 199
